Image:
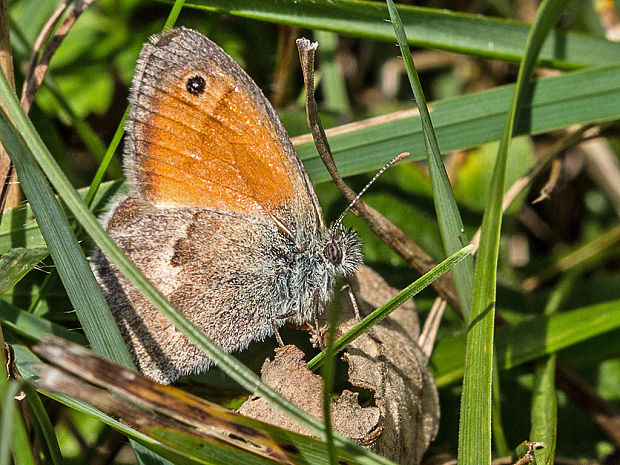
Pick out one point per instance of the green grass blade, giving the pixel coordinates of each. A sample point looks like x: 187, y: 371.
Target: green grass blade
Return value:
x: 392, y: 304
x: 174, y: 14
x: 328, y: 373
x: 7, y: 391
x: 13, y: 437
x: 22, y: 454
x: 450, y: 222
x: 78, y: 279
x: 229, y: 364
x: 499, y: 436
x: 468, y: 121
x: 15, y: 263
x: 544, y: 409
x: 47, y: 429
x: 34, y: 327
x: 529, y: 339
x: 544, y: 397
x: 146, y: 456
x: 475, y: 419
x: 107, y: 159
x: 425, y: 27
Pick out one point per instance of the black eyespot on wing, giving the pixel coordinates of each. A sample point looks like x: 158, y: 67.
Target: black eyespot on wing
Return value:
x: 196, y: 85
x: 333, y: 252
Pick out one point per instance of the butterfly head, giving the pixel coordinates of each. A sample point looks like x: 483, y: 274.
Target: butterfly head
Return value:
x: 342, y: 250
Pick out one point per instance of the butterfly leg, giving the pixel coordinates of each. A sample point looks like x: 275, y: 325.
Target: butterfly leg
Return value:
x: 317, y: 338
x: 285, y: 316
x: 356, y: 309
x: 277, y: 334
x: 317, y: 331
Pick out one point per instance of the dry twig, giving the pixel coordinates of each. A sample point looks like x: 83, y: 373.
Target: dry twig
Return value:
x: 41, y: 39
x: 581, y: 394
x: 7, y: 176
x: 522, y: 183
x: 392, y: 236
x: 36, y: 72
x: 554, y: 177
x: 431, y: 326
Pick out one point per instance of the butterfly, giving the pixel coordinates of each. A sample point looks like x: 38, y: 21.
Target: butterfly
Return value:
x: 220, y: 213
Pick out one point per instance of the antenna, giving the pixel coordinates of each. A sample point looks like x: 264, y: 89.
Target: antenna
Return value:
x: 394, y: 160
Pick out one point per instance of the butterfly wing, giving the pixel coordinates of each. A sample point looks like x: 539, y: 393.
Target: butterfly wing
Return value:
x: 230, y: 278
x: 201, y: 133
x: 214, y: 180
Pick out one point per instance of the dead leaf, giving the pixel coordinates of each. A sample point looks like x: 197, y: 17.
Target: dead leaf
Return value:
x: 387, y: 361
x: 288, y: 374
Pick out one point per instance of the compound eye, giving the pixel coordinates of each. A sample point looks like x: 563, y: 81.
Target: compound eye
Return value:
x: 333, y: 252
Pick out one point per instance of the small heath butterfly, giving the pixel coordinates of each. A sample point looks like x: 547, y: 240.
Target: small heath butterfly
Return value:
x: 220, y: 214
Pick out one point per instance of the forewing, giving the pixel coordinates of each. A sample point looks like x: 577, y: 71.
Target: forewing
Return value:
x: 218, y: 144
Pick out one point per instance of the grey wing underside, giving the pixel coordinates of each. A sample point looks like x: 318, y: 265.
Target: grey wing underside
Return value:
x: 221, y: 270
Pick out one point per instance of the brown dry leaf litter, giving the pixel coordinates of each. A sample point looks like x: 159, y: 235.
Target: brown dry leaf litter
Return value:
x: 386, y: 361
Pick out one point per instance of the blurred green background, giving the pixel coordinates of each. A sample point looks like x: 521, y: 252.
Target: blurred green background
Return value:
x: 85, y: 94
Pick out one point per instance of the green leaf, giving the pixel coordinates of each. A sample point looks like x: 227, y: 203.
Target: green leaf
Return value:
x: 48, y: 435
x: 146, y: 456
x: 332, y: 81
x: 7, y: 391
x: 15, y: 263
x: 475, y: 419
x: 530, y: 339
x: 544, y: 409
x: 13, y: 436
x: 450, y: 222
x: 380, y: 313
x: 468, y: 121
x: 544, y: 397
x: 34, y: 327
x: 425, y: 27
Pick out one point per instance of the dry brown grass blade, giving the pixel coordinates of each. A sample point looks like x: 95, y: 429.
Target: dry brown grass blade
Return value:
x: 9, y: 196
x: 391, y: 235
x: 144, y: 404
x: 585, y: 397
x: 572, y: 138
x: 38, y: 68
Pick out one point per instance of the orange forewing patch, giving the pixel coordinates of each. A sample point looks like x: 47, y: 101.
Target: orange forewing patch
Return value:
x: 213, y: 150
